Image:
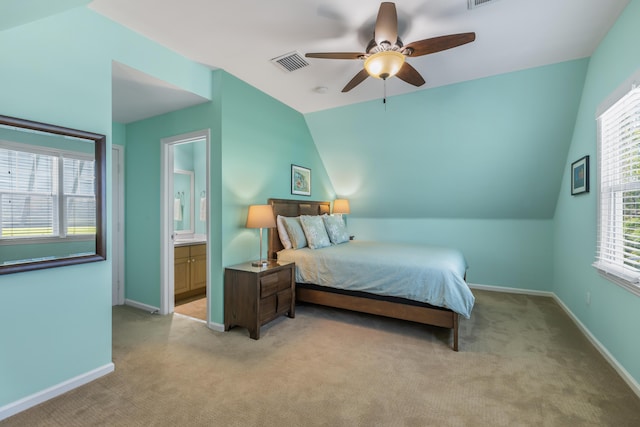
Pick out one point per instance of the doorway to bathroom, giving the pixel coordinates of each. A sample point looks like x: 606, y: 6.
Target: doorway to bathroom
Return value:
x: 185, y: 252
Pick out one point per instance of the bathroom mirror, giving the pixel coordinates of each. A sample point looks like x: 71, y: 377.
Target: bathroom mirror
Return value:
x: 52, y: 196
x: 183, y: 202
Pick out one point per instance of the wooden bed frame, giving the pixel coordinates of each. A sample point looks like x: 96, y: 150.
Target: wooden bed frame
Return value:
x: 397, y: 308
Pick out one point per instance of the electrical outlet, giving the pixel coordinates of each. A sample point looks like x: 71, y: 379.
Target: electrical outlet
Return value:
x: 588, y: 298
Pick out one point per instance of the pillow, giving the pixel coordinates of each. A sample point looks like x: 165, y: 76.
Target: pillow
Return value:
x: 336, y: 229
x: 282, y: 232
x: 294, y: 230
x: 315, y: 232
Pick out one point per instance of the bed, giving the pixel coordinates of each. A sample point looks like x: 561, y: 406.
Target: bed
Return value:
x: 370, y: 296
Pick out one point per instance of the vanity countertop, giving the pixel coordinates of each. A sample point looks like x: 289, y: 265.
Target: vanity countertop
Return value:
x: 193, y: 240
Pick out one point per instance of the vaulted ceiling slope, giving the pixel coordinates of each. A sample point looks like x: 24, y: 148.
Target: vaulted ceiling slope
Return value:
x: 19, y: 12
x: 491, y: 148
x: 242, y: 36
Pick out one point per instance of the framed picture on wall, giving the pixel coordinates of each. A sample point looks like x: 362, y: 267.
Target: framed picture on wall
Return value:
x: 580, y: 176
x: 300, y: 180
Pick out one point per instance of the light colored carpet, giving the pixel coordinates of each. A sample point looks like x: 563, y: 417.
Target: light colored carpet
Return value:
x: 522, y: 362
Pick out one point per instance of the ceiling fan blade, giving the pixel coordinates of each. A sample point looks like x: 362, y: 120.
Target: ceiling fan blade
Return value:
x: 359, y: 78
x: 410, y: 75
x: 336, y: 55
x: 386, y: 24
x: 437, y: 44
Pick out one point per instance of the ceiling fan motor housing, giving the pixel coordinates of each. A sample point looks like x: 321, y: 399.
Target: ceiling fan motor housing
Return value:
x: 374, y: 47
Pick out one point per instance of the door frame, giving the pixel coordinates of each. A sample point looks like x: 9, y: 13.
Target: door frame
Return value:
x: 117, y: 224
x: 167, y: 298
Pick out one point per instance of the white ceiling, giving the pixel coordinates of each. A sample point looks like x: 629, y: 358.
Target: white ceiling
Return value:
x: 138, y: 96
x: 242, y: 36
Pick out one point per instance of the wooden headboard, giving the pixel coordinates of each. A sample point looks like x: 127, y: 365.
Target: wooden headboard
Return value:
x: 287, y: 207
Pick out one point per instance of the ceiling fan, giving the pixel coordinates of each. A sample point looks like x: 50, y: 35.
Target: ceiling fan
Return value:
x: 385, y: 54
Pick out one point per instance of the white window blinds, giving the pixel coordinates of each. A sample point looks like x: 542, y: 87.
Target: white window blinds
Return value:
x: 618, y: 247
x: 79, y: 197
x: 45, y: 194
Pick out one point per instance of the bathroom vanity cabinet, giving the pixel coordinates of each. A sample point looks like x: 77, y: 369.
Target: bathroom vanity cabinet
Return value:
x: 190, y: 270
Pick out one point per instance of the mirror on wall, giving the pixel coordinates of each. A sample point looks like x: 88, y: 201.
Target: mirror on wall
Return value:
x: 183, y: 202
x: 52, y: 196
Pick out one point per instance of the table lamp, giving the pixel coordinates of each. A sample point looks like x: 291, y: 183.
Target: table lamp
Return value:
x: 341, y: 206
x: 260, y: 216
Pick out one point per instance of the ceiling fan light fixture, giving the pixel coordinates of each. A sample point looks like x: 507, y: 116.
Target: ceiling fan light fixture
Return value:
x: 384, y: 64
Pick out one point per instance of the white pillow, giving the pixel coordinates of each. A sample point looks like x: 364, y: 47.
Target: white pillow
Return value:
x: 282, y: 232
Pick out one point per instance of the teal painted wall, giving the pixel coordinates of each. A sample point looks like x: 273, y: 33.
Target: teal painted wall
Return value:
x: 255, y: 138
x: 510, y: 253
x: 489, y: 148
x: 57, y: 338
x: 261, y: 139
x: 142, y: 189
x: 19, y: 12
x: 59, y: 72
x: 119, y: 134
x: 183, y: 157
x: 475, y: 165
x: 193, y: 157
x: 200, y: 171
x: 614, y: 313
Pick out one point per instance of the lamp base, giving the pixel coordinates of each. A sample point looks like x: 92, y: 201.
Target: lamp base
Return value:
x: 261, y: 263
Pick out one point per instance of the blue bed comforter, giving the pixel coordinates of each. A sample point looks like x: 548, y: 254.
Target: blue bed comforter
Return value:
x: 428, y: 274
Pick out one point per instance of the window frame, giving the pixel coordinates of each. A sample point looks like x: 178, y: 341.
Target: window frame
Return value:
x: 616, y: 272
x: 61, y: 218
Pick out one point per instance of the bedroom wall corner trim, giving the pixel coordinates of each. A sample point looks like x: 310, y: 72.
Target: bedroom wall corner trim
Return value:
x: 626, y: 376
x: 141, y: 306
x: 54, y: 391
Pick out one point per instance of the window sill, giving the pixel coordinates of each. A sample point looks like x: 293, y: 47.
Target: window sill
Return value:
x: 618, y: 280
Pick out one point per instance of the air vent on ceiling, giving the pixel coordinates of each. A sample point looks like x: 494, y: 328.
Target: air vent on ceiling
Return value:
x: 290, y: 62
x: 472, y: 4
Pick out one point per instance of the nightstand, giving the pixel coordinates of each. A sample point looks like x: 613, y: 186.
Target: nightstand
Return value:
x: 254, y: 296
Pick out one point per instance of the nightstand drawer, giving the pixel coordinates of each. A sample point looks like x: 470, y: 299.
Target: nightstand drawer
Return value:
x: 268, y: 308
x: 275, y: 304
x: 284, y: 300
x: 272, y: 283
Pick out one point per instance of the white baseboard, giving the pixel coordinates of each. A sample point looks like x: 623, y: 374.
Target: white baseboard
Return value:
x: 510, y: 290
x: 54, y: 391
x: 626, y: 376
x: 141, y: 306
x: 218, y: 327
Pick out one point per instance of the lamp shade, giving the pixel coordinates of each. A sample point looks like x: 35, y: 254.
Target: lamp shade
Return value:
x: 341, y: 206
x: 385, y: 64
x: 260, y: 216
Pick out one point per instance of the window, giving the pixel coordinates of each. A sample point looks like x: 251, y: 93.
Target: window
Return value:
x: 618, y: 249
x: 45, y: 194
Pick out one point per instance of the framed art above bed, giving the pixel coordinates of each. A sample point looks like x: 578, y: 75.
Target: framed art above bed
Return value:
x: 300, y: 180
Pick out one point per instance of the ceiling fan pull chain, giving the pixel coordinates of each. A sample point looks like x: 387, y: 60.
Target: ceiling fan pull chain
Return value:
x: 384, y: 98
